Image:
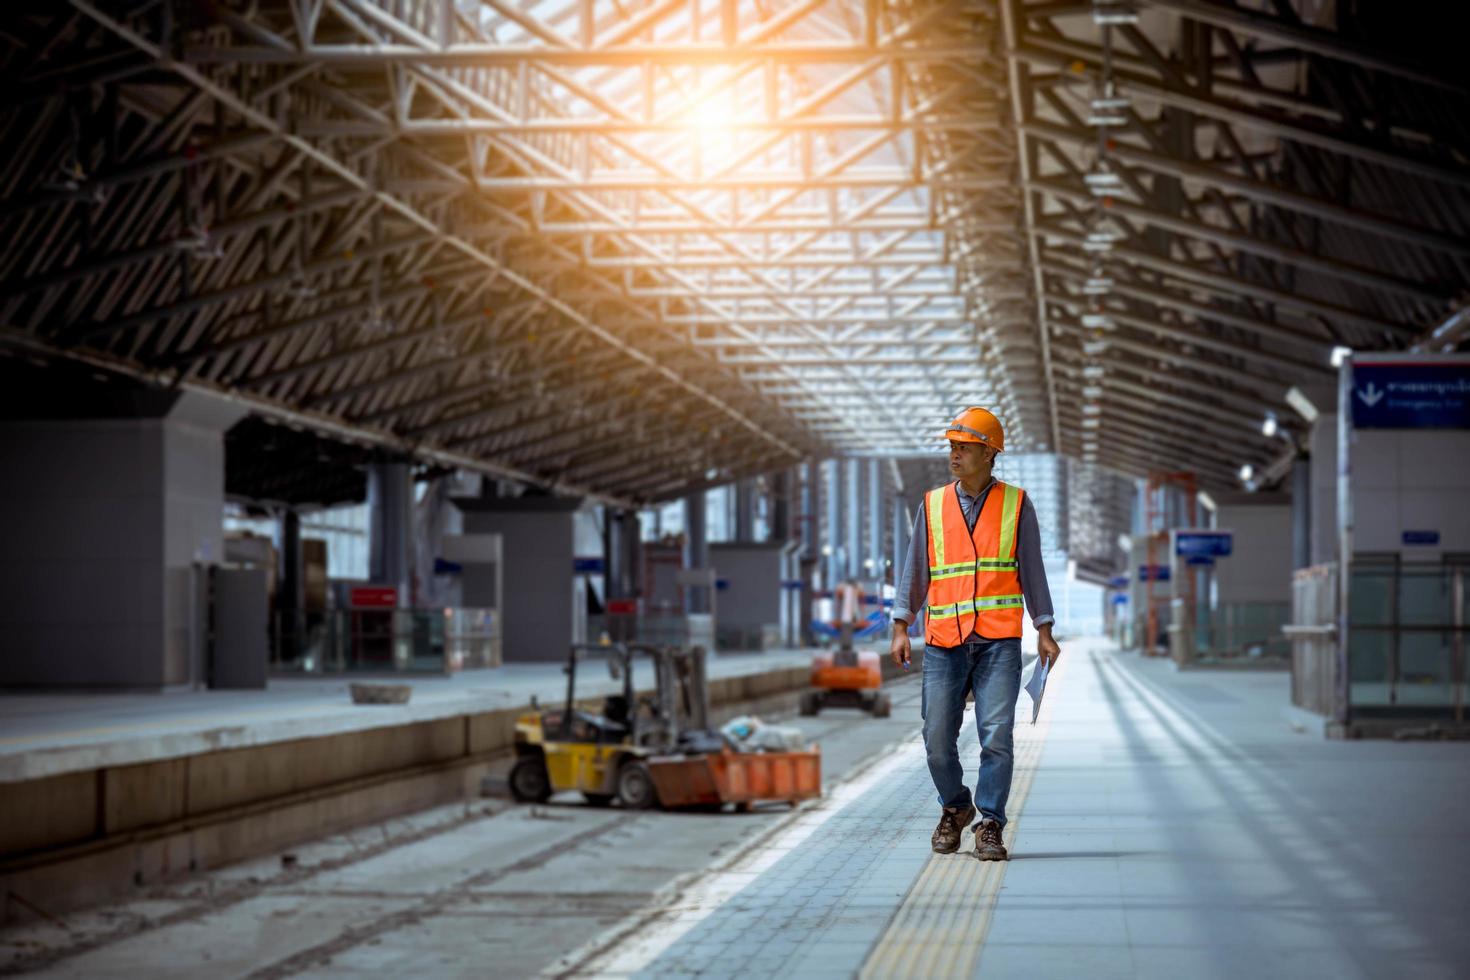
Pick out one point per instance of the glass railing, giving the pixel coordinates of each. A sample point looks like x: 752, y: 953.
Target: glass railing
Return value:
x: 438, y: 641
x: 1407, y: 638
x: 1235, y: 632
x: 1251, y: 630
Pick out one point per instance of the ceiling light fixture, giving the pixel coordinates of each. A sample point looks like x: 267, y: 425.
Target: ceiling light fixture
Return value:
x: 1108, y: 108
x: 1103, y: 182
x: 1114, y: 13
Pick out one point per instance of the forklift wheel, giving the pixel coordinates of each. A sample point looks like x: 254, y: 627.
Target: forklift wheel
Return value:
x: 528, y: 780
x: 882, y: 706
x: 810, y: 703
x: 635, y: 786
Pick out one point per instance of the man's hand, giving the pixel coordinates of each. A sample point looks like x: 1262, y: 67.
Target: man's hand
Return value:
x: 1047, y: 647
x: 898, y: 647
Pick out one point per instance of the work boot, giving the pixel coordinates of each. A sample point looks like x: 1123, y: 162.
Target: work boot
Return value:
x: 988, y: 845
x: 952, y: 823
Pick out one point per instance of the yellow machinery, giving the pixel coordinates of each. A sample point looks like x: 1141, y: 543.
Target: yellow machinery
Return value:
x: 562, y: 750
x: 652, y: 750
x: 604, y: 756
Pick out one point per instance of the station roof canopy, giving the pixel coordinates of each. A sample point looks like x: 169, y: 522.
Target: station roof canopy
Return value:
x: 636, y: 248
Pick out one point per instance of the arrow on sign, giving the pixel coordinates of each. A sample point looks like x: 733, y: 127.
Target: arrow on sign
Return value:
x: 1370, y: 395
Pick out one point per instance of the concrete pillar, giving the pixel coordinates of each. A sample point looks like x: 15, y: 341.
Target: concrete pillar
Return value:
x: 619, y: 552
x: 290, y: 593
x: 810, y: 555
x: 782, y: 491
x: 831, y: 541
x: 744, y: 494
x: 631, y: 541
x: 875, y: 520
x: 390, y: 509
x: 900, y: 539
x: 537, y: 543
x: 107, y: 526
x: 811, y: 486
x: 1301, y: 512
x: 853, y: 511
x: 696, y: 551
x: 620, y: 532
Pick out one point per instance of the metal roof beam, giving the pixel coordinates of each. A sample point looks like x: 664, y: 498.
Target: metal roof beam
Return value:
x: 1255, y: 190
x: 1064, y: 55
x: 1305, y: 37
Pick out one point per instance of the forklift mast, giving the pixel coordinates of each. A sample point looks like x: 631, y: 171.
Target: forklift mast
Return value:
x: 680, y: 701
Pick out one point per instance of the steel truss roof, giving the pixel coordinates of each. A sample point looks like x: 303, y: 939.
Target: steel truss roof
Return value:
x: 628, y: 248
x: 638, y: 248
x: 1286, y: 187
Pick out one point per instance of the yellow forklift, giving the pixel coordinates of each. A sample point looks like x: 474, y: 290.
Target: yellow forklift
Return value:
x: 651, y: 750
x: 605, y: 755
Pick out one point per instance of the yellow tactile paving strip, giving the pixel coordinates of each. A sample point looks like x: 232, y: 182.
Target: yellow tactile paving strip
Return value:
x: 940, y: 928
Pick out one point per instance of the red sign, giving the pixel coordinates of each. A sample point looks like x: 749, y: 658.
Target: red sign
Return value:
x: 373, y: 597
x: 625, y: 607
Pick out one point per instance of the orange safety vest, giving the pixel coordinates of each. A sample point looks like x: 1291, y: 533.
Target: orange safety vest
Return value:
x: 974, y: 581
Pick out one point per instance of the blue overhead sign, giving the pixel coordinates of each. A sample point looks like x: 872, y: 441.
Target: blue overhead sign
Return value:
x: 1421, y: 537
x: 587, y: 566
x: 1417, y: 391
x: 1203, y: 544
x: 1154, y: 573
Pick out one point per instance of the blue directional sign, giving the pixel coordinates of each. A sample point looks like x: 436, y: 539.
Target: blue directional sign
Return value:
x: 587, y: 566
x: 1203, y: 544
x: 1155, y: 573
x: 1421, y: 537
x: 1420, y: 391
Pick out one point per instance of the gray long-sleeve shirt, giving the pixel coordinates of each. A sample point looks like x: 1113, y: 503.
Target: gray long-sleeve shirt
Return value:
x: 913, y: 587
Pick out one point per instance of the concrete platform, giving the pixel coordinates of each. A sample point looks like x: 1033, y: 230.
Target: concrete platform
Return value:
x: 106, y: 793
x: 1165, y: 824
x: 48, y: 734
x: 477, y: 889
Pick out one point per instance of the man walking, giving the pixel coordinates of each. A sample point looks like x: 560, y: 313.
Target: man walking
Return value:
x: 975, y: 553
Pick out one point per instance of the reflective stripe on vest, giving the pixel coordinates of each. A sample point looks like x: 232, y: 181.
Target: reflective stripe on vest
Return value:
x: 971, y: 605
x: 970, y: 567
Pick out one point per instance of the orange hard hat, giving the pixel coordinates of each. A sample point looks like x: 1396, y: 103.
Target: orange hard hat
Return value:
x: 977, y: 425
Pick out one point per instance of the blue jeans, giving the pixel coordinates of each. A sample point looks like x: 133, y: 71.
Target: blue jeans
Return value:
x: 992, y: 669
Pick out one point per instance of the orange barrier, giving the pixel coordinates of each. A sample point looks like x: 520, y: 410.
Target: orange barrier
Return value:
x: 742, y: 778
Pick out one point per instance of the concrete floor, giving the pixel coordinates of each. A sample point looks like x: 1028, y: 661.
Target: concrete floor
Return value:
x: 1185, y: 825
x: 1173, y: 825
